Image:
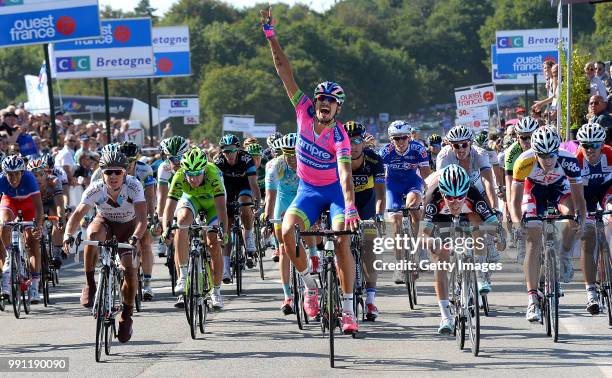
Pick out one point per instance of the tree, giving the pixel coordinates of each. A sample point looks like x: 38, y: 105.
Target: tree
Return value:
x: 579, y: 91
x: 603, y: 31
x: 145, y: 9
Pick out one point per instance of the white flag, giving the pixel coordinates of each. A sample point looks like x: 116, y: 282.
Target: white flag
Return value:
x: 38, y: 95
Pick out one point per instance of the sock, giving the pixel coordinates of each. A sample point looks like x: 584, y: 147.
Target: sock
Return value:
x: 287, y: 291
x: 347, y: 303
x: 249, y: 234
x: 309, y: 282
x: 147, y: 279
x: 275, y: 241
x: 217, y: 290
x: 313, y: 251
x: 591, y: 291
x: 183, y: 269
x: 321, y: 246
x: 444, y: 309
x: 226, y: 263
x: 371, y: 295
x: 91, y: 281
x: 35, y: 279
x: 533, y: 296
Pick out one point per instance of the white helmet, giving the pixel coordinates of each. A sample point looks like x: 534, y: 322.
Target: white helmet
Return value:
x: 591, y: 133
x: 526, y: 125
x: 545, y: 140
x: 397, y: 128
x: 459, y: 133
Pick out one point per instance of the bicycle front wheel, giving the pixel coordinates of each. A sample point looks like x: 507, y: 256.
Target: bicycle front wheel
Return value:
x: 99, y: 312
x: 552, y: 295
x: 472, y: 310
x: 331, y: 312
x: 192, y: 293
x: 44, y: 273
x: 138, y: 299
x: 260, y: 249
x: 15, y: 284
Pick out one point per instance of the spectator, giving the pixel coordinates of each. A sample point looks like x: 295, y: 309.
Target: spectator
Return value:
x: 552, y: 91
x: 598, y: 113
x: 596, y: 85
x: 83, y: 171
x: 65, y: 157
x: 600, y: 71
x: 167, y: 131
x: 84, y: 140
x: 4, y: 143
x: 26, y: 143
x: 520, y: 112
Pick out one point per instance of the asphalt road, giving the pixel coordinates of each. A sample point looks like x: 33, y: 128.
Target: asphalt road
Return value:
x: 251, y: 337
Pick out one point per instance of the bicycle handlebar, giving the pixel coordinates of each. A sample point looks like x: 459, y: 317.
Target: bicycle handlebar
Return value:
x: 328, y: 233
x: 549, y: 218
x: 108, y: 243
x: 482, y: 227
x: 24, y: 224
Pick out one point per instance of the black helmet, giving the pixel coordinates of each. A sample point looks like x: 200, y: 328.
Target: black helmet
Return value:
x: 435, y: 139
x: 113, y: 159
x: 130, y: 150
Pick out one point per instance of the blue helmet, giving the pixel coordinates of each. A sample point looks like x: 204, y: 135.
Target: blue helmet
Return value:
x: 454, y: 181
x: 229, y: 140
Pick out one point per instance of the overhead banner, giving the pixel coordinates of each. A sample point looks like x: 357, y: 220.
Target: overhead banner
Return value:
x: 38, y: 94
x: 179, y: 107
x: 475, y: 97
x: 123, y: 50
x: 524, y: 51
x: 500, y: 79
x: 262, y: 130
x: 29, y: 22
x: 240, y: 123
x: 171, y: 51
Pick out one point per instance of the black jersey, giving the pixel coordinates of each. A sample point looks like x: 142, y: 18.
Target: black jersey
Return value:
x: 237, y: 174
x: 371, y: 172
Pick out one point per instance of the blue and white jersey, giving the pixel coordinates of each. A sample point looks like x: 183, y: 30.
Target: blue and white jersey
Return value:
x: 403, y: 166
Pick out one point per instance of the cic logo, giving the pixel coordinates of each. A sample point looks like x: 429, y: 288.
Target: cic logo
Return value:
x: 179, y: 103
x: 70, y: 64
x: 510, y: 42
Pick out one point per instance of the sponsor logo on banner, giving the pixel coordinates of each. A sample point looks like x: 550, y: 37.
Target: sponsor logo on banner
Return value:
x: 71, y: 64
x: 28, y: 29
x: 475, y: 97
x: 179, y: 103
x: 8, y: 3
x: 510, y: 42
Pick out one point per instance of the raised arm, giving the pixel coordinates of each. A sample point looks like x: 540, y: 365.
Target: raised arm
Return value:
x: 281, y: 63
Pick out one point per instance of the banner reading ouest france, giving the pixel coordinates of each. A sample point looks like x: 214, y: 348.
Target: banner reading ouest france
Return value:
x: 29, y: 22
x: 124, y: 49
x: 475, y: 97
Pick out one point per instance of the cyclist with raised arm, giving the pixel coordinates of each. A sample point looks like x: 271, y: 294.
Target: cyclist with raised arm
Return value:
x: 196, y: 187
x: 20, y: 193
x: 523, y: 130
x: 173, y: 148
x: 369, y: 183
x: 51, y: 192
x: 323, y: 166
x: 281, y: 189
x: 240, y: 180
x: 121, y: 212
x: 595, y: 159
x: 450, y: 193
x: 545, y: 176
x: 407, y: 165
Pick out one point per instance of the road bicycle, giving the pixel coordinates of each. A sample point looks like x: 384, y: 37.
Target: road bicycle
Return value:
x: 48, y: 273
x: 603, y: 261
x: 238, y: 251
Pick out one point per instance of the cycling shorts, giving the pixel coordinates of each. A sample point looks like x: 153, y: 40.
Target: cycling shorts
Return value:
x: 26, y: 205
x: 537, y: 197
x: 397, y: 190
x: 280, y: 208
x: 196, y: 205
x: 311, y: 201
x: 599, y: 194
x: 122, y: 231
x: 232, y: 194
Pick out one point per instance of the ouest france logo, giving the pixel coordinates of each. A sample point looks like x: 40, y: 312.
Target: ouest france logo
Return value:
x: 35, y: 28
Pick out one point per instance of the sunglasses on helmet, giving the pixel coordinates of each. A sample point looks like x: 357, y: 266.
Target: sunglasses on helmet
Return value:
x: 457, y: 146
x: 550, y: 155
x: 229, y: 150
x: 325, y: 98
x: 525, y: 138
x: 113, y: 172
x: 398, y: 138
x: 356, y: 141
x: 175, y: 159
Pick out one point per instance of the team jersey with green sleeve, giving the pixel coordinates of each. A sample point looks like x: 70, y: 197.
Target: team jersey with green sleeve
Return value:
x: 511, y: 154
x: 211, y: 187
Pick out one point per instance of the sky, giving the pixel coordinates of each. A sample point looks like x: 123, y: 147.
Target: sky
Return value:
x: 163, y: 6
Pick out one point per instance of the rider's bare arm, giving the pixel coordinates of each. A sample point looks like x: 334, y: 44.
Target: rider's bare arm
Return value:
x: 346, y: 180
x: 515, y: 203
x: 283, y: 68
x: 270, y: 202
x: 75, y: 219
x: 489, y: 184
x: 150, y: 197
x: 168, y: 213
x: 40, y: 212
x: 140, y: 208
x: 162, y: 196
x: 58, y: 201
x: 577, y: 192
x: 255, y: 188
x: 381, y: 198
x: 222, y: 213
x: 424, y: 171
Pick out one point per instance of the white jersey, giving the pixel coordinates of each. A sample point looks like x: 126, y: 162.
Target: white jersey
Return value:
x: 479, y: 160
x: 60, y: 173
x: 121, y: 210
x: 164, y: 173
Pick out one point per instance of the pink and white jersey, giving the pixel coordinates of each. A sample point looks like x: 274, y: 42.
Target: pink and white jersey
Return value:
x: 318, y: 155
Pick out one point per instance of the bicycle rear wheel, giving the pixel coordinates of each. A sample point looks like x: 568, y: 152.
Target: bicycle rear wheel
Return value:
x: 260, y: 249
x: 171, y: 267
x: 238, y: 263
x: 472, y: 310
x: 99, y: 312
x: 203, y: 299
x: 44, y: 273
x: 15, y: 285
x: 606, y: 281
x: 25, y: 285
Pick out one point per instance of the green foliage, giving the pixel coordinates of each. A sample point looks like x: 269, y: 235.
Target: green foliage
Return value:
x: 602, y: 37
x: 578, y: 88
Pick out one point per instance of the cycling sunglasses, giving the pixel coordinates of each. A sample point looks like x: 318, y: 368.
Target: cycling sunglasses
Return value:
x: 229, y: 151
x: 111, y: 172
x: 548, y: 156
x: 457, y: 146
x: 455, y: 198
x: 398, y: 138
x: 325, y: 98
x: 194, y: 173
x: 594, y: 146
x: 175, y: 159
x: 356, y: 141
x: 525, y: 138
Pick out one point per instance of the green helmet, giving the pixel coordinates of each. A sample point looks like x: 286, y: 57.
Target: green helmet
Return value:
x: 482, y: 140
x: 254, y: 149
x: 194, y: 160
x: 174, y: 146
